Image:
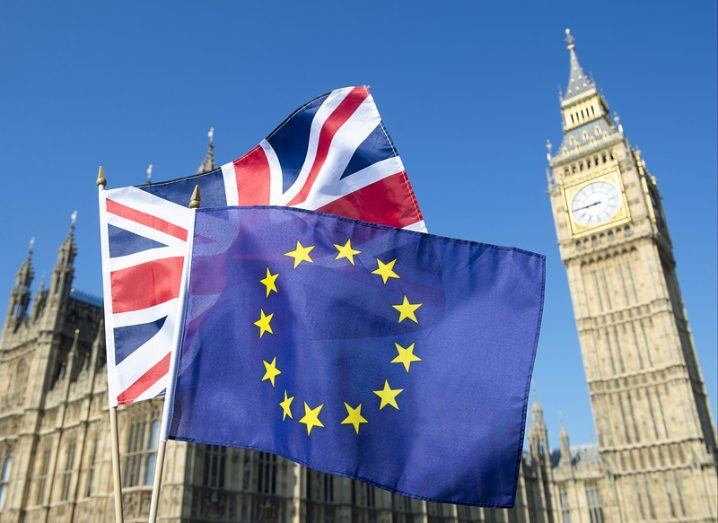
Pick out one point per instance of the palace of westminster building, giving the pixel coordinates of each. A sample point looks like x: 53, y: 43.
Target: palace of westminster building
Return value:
x: 655, y: 459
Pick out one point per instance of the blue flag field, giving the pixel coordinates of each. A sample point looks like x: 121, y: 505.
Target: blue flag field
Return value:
x: 398, y: 358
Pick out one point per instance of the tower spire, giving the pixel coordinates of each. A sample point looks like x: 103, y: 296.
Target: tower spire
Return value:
x: 64, y: 268
x: 578, y: 82
x: 208, y: 164
x: 20, y: 294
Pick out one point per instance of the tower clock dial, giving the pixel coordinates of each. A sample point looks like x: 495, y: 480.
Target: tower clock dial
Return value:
x: 595, y: 203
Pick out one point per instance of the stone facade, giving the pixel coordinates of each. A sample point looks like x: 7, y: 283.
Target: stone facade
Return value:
x: 656, y: 437
x: 655, y: 459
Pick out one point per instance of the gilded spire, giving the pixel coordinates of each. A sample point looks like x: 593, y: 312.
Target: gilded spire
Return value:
x: 578, y: 82
x: 208, y: 164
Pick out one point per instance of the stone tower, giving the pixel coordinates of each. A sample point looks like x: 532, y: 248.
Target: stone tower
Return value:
x: 656, y: 436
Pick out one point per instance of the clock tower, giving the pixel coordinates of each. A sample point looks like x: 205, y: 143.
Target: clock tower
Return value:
x: 655, y: 431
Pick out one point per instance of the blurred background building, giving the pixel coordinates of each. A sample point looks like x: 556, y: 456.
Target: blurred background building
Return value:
x: 656, y: 454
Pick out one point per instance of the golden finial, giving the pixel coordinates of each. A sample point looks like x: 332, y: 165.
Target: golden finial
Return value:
x: 210, y: 135
x: 101, y: 180
x: 195, y: 198
x: 570, y: 39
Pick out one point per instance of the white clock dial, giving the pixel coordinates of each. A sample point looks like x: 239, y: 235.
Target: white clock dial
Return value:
x: 595, y: 203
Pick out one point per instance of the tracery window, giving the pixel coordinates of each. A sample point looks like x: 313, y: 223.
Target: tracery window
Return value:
x: 67, y: 471
x: 92, y: 467
x: 41, y: 474
x: 215, y: 459
x: 141, y: 452
x: 565, y: 506
x: 593, y: 498
x: 5, y: 478
x: 266, y: 473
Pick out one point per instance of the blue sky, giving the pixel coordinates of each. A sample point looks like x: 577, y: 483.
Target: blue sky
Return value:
x: 468, y: 91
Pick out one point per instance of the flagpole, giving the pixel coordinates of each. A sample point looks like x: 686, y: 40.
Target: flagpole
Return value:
x: 194, y: 203
x: 101, y: 182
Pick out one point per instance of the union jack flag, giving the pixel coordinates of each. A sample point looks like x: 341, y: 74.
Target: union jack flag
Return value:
x: 333, y: 154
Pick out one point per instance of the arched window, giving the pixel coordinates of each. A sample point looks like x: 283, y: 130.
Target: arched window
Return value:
x: 67, y: 471
x: 141, y: 452
x: 215, y: 464
x: 20, y: 384
x: 5, y: 479
x: 151, y: 457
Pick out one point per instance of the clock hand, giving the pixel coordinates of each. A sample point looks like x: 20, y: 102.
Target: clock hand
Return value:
x: 587, y: 206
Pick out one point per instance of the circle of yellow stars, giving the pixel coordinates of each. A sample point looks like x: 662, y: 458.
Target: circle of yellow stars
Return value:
x: 405, y: 356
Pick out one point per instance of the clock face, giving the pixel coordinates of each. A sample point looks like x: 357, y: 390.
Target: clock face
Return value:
x: 595, y: 204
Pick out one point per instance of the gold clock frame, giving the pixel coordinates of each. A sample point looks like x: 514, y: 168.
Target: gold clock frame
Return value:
x: 622, y: 215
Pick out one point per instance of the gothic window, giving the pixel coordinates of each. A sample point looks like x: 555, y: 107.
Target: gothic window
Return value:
x: 151, y: 452
x: 215, y: 459
x: 266, y: 473
x: 67, y: 471
x: 370, y: 496
x: 593, y: 111
x: 20, y: 384
x: 141, y: 452
x: 42, y: 471
x: 328, y: 488
x: 565, y: 506
x: 593, y: 498
x: 603, y: 158
x: 5, y: 479
x: 585, y: 136
x: 92, y: 468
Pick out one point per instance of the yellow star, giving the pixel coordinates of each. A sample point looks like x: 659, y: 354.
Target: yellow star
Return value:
x: 354, y: 417
x: 346, y: 251
x: 270, y: 282
x: 385, y: 270
x: 405, y: 356
x: 270, y: 371
x: 388, y: 396
x: 264, y: 323
x: 286, y: 405
x: 300, y: 254
x: 311, y: 418
x: 406, y: 310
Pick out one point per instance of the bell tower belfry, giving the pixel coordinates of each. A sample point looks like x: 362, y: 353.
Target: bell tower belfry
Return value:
x: 655, y: 431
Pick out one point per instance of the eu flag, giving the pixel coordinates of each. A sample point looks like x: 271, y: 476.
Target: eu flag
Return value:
x: 394, y: 357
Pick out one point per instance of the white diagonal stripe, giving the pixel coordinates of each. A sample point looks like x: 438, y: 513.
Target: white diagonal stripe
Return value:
x: 125, y: 319
x: 325, y: 110
x: 230, y: 184
x: 144, y: 231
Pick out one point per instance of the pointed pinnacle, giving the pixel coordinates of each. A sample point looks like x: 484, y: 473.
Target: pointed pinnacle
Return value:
x: 101, y: 180
x: 194, y: 200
